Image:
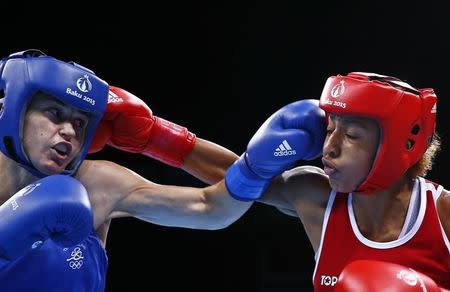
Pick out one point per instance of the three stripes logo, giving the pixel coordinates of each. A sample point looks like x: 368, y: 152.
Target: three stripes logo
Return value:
x: 284, y: 149
x: 433, y: 109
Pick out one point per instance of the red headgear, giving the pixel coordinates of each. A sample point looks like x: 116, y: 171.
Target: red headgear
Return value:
x: 406, y: 117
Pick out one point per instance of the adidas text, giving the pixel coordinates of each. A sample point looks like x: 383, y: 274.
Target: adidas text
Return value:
x: 284, y: 153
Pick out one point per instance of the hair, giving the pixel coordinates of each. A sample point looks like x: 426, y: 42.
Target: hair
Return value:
x: 425, y: 164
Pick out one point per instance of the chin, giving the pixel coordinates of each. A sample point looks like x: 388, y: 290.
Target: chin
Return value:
x: 341, y: 188
x: 50, y: 169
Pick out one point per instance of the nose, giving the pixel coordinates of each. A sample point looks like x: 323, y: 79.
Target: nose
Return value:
x: 67, y: 130
x: 331, y: 146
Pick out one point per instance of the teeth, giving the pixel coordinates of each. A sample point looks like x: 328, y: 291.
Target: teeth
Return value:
x: 61, y: 148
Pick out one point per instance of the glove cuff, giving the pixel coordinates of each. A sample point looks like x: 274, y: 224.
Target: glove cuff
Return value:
x: 242, y: 183
x: 169, y: 142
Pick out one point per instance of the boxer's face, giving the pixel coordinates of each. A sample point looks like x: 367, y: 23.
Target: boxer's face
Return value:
x: 53, y: 133
x: 349, y: 150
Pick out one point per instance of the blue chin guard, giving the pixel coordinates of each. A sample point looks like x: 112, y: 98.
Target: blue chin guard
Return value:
x: 26, y: 73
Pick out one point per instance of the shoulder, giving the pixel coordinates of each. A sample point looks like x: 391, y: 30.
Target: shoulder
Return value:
x: 306, y: 189
x: 443, y: 209
x: 306, y: 180
x: 300, y: 186
x: 111, y: 181
x: 97, y: 172
x: 107, y: 184
x: 96, y: 176
x: 305, y: 172
x: 443, y: 202
x: 104, y: 180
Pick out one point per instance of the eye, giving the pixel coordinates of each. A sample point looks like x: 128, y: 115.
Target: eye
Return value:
x: 80, y: 123
x: 54, y: 112
x: 351, y: 136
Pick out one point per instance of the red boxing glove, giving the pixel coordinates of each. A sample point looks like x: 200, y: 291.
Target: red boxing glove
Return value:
x: 129, y: 124
x: 371, y: 276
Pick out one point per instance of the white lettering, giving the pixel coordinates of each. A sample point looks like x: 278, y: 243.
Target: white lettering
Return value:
x: 73, y: 92
x: 14, y: 204
x: 328, y: 101
x: 284, y: 153
x: 328, y: 280
x: 80, y: 96
x: 88, y: 99
x: 112, y: 99
x: 339, y: 104
x: 335, y: 103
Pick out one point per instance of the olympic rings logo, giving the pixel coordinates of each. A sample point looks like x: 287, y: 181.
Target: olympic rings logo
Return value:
x: 75, y: 264
x: 76, y: 258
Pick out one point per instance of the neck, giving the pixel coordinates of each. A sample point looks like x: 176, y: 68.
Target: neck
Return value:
x: 381, y: 215
x: 12, y: 178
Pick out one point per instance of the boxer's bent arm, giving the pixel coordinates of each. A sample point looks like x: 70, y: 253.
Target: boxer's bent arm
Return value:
x: 301, y: 192
x: 129, y: 124
x: 125, y: 193
x: 443, y: 208
x: 208, y: 161
x: 297, y: 189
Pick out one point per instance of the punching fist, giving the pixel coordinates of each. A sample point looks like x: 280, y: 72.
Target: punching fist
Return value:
x: 129, y: 124
x: 375, y: 276
x: 295, y: 132
x: 55, y: 207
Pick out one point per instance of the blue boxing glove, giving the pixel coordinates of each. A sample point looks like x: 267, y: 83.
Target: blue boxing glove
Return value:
x: 295, y: 132
x: 55, y: 207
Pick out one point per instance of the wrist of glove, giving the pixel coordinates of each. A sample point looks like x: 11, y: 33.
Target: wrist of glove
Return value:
x: 129, y: 125
x: 242, y: 183
x: 169, y: 142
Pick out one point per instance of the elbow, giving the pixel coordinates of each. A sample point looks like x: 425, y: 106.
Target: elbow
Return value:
x: 221, y: 224
x: 221, y: 219
x: 221, y: 210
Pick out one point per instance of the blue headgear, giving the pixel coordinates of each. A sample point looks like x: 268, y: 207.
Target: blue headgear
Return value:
x: 25, y: 73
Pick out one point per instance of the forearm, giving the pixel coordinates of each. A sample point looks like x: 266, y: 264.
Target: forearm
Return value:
x: 223, y: 209
x: 207, y: 208
x: 208, y: 161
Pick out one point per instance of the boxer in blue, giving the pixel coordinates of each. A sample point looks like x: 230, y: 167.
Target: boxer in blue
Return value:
x: 56, y: 206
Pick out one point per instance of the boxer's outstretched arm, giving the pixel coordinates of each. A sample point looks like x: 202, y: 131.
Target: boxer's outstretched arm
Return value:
x: 129, y: 194
x: 130, y: 125
x: 208, y: 161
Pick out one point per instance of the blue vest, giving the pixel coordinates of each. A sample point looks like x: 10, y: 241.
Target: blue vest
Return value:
x: 51, y: 268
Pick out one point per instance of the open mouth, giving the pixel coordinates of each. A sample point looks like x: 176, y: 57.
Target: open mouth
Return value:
x: 63, y: 149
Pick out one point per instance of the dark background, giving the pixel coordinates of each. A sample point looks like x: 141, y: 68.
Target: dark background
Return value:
x: 221, y: 69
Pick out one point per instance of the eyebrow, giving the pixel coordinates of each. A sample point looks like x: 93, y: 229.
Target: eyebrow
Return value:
x: 351, y: 120
x: 54, y: 100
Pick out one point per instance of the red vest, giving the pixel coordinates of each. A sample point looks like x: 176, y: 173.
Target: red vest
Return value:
x: 423, y: 248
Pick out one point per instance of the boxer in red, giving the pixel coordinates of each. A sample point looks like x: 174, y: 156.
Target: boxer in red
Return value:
x: 370, y: 201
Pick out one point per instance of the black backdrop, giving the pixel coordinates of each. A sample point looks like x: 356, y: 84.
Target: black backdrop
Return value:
x: 221, y: 69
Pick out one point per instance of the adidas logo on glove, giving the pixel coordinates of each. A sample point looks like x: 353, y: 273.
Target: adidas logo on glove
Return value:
x: 284, y: 149
x: 114, y: 98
